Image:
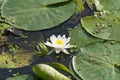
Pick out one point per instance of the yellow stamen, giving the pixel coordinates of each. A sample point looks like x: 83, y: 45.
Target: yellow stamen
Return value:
x: 59, y: 42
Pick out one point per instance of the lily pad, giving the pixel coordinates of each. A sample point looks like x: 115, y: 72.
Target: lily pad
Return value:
x: 38, y: 14
x: 76, y: 76
x: 98, y: 61
x: 111, y: 5
x: 104, y: 27
x: 47, y: 72
x: 80, y: 37
x: 1, y: 2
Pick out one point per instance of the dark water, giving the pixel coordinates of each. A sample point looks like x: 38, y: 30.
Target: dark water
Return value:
x: 34, y: 37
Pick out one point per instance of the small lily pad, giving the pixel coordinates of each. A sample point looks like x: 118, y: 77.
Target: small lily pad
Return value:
x: 98, y: 61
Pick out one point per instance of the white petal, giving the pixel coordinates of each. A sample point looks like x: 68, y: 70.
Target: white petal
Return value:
x: 59, y: 37
x: 49, y: 44
x: 63, y: 37
x: 68, y: 46
x: 57, y: 50
x: 67, y: 40
x: 65, y: 51
x: 53, y: 38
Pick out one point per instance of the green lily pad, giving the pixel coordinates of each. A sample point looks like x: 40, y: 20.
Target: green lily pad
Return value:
x: 38, y: 14
x: 111, y: 5
x: 76, y: 76
x: 1, y: 2
x: 47, y: 72
x: 104, y: 27
x: 80, y: 37
x: 98, y: 61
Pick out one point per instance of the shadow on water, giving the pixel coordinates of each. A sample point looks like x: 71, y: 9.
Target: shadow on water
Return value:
x: 33, y: 38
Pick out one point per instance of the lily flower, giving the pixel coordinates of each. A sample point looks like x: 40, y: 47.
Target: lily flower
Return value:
x: 59, y: 43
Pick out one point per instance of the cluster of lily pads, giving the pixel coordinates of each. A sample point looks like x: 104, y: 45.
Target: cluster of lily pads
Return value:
x: 96, y: 36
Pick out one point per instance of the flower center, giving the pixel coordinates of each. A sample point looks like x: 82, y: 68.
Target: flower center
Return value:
x: 59, y: 42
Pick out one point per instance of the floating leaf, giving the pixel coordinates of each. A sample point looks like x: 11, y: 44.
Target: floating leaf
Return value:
x: 47, y: 72
x: 21, y: 77
x: 1, y: 2
x: 111, y: 5
x: 38, y: 15
x: 105, y: 27
x: 76, y: 76
x: 80, y: 37
x: 98, y: 61
x: 59, y: 66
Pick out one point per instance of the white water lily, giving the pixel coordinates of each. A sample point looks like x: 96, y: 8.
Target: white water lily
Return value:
x: 59, y: 43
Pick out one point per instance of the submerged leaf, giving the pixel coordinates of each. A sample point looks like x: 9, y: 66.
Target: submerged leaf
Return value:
x: 21, y: 77
x: 37, y: 14
x: 47, y: 72
x: 3, y: 26
x: 98, y: 61
x: 12, y: 60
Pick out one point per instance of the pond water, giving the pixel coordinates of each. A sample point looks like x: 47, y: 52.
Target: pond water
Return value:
x: 32, y: 40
